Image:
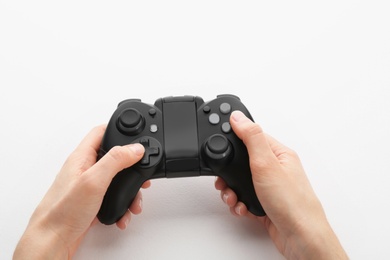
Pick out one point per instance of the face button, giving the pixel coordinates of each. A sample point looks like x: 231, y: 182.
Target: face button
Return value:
x: 226, y: 128
x: 225, y: 108
x: 130, y: 122
x: 214, y: 118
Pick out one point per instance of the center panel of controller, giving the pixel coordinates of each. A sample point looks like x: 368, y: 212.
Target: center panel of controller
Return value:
x: 181, y: 139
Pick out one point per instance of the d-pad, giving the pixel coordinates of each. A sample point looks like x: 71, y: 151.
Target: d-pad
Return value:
x: 149, y: 151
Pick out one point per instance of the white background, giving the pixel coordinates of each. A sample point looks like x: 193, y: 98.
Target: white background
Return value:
x: 314, y: 74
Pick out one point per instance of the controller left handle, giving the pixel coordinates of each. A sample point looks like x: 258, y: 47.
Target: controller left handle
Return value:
x: 119, y: 196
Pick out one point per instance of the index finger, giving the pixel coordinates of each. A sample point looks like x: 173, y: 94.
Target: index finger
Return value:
x: 92, y: 140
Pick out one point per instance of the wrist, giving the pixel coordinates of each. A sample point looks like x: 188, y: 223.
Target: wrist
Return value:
x: 318, y: 243
x: 39, y: 242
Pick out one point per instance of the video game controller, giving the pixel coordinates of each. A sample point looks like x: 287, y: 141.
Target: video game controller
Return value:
x: 183, y: 136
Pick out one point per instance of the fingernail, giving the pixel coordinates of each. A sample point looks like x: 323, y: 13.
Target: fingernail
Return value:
x: 225, y: 198
x: 238, y: 210
x: 137, y: 148
x: 237, y: 116
x: 127, y: 221
x: 140, y: 204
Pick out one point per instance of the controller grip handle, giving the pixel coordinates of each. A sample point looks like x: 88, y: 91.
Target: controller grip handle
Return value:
x: 218, y: 153
x: 245, y: 192
x: 119, y: 196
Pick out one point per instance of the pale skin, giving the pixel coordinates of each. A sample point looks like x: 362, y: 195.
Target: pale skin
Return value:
x: 69, y: 208
x: 295, y: 221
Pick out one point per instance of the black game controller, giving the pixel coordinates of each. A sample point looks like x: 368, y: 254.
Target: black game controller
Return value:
x: 183, y: 137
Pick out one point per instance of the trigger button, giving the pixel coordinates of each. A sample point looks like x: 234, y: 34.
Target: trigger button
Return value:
x: 129, y: 100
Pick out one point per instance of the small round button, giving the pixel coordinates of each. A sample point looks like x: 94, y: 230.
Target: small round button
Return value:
x: 152, y: 112
x: 214, y: 118
x: 226, y: 127
x: 225, y: 108
x: 153, y: 128
x: 206, y: 109
x: 130, y: 122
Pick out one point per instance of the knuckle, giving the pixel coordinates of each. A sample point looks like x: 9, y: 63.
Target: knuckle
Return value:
x: 100, y: 129
x: 254, y: 129
x: 293, y: 154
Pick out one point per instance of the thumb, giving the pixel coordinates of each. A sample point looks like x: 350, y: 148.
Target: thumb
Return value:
x: 260, y: 152
x: 117, y: 159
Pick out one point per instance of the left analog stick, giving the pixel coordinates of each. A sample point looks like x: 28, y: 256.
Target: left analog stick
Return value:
x: 130, y: 122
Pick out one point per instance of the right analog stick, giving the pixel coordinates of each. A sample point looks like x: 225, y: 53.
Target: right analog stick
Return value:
x: 218, y: 147
x: 131, y: 122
